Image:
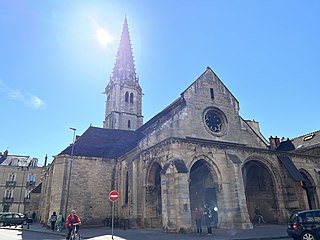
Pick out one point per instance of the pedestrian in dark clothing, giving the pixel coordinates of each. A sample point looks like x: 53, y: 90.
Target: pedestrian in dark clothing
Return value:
x: 259, y: 215
x: 208, y: 218
x: 198, y: 218
x: 53, y: 220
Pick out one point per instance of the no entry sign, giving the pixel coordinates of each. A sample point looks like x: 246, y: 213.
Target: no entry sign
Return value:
x: 113, y: 196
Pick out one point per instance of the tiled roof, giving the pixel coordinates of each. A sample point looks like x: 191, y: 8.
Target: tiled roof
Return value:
x: 307, y: 140
x: 105, y: 143
x: 18, y: 161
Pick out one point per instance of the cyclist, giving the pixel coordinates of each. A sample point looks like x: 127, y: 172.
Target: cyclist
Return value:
x: 72, y: 219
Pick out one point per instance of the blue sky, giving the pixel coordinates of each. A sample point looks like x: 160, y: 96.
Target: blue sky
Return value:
x: 53, y: 69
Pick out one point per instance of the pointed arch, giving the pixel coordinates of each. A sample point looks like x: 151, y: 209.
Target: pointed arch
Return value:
x: 309, y: 187
x: 153, y: 195
x: 126, y: 97
x: 204, y: 185
x: 131, y: 97
x: 260, y: 189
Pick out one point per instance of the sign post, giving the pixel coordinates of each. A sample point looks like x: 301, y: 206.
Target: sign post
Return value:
x: 113, y: 197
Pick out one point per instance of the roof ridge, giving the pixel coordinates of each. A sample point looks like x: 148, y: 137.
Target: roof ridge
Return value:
x: 305, y: 134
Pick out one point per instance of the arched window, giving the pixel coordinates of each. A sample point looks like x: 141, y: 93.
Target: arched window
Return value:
x: 126, y: 97
x: 131, y: 97
x: 129, y: 124
x: 126, y: 197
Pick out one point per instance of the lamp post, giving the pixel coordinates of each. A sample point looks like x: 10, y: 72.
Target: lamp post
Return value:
x: 70, y: 170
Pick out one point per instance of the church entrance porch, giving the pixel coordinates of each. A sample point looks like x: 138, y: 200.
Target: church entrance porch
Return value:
x: 260, y: 191
x: 202, y: 189
x: 308, y: 194
x: 153, y: 209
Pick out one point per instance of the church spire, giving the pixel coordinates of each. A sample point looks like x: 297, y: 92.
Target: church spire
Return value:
x: 124, y: 68
x: 123, y: 92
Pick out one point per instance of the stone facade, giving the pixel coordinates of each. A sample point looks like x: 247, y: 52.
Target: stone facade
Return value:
x: 19, y: 175
x: 197, y: 150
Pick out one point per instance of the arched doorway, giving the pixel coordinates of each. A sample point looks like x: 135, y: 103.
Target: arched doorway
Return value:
x: 259, y: 190
x: 202, y: 188
x: 153, y: 214
x: 310, y: 191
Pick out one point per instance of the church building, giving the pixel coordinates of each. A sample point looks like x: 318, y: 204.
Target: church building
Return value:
x: 196, y: 151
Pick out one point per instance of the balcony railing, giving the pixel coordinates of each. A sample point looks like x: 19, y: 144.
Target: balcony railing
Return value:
x: 7, y: 200
x: 10, y: 183
x: 27, y: 200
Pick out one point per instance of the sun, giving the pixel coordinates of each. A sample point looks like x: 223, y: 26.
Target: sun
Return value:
x: 103, y: 36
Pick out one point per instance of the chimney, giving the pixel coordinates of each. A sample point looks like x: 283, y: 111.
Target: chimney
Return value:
x: 5, y: 154
x: 45, y: 160
x: 274, y: 142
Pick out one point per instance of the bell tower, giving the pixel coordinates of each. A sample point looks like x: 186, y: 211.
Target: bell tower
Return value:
x: 123, y: 92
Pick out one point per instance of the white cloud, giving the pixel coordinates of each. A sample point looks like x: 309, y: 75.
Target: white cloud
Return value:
x: 36, y: 102
x: 15, y: 94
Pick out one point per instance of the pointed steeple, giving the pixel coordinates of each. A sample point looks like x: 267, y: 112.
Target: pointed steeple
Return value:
x: 123, y: 92
x: 124, y: 68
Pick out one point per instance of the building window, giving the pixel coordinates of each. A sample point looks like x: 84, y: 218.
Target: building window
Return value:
x: 129, y: 124
x: 8, y: 193
x: 11, y: 177
x: 126, y: 198
x: 31, y: 177
x: 27, y: 194
x: 6, y: 208
x: 131, y: 97
x: 126, y: 97
x: 211, y: 93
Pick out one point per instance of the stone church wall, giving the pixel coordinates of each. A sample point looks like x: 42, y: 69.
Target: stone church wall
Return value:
x: 229, y: 181
x: 91, y: 183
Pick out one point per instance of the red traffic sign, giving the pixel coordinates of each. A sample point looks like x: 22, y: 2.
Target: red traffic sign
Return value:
x: 113, y: 196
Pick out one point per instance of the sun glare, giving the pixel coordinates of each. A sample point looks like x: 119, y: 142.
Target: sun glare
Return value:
x: 103, y: 36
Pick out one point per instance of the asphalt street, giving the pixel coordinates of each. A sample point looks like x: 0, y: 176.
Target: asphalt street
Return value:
x: 38, y: 232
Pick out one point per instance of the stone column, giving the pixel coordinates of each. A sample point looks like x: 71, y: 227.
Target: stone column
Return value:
x: 176, y: 214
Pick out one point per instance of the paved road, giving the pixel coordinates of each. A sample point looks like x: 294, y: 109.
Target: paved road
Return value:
x: 260, y: 232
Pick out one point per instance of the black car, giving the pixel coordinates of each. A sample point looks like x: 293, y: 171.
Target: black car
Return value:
x: 304, y: 225
x: 8, y: 219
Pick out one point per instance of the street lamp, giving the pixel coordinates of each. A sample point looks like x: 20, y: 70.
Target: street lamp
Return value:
x: 70, y: 170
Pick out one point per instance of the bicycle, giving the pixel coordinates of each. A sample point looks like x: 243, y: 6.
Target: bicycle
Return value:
x: 75, y: 235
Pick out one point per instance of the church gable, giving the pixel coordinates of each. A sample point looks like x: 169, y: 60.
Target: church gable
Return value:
x: 213, y: 113
x: 205, y: 110
x: 209, y: 89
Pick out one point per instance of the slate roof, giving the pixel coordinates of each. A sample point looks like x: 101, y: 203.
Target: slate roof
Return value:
x: 307, y: 141
x: 286, y: 145
x: 104, y: 143
x: 18, y: 161
x: 37, y: 189
x: 164, y: 115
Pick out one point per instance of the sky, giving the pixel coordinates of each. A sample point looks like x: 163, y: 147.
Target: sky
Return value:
x: 54, y: 69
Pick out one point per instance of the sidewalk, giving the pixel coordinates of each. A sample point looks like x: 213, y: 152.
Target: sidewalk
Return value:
x: 259, y: 232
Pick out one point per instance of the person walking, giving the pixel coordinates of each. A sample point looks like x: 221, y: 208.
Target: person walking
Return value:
x: 59, y: 222
x: 53, y: 220
x: 208, y: 218
x: 198, y: 218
